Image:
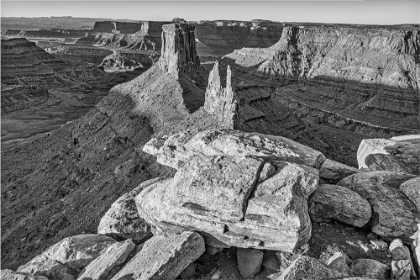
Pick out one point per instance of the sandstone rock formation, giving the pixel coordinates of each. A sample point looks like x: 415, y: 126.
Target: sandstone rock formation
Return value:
x: 411, y: 189
x: 163, y: 257
x: 307, y: 268
x: 370, y: 268
x: 271, y: 214
x: 400, y: 154
x: 401, y: 265
x: 178, y: 54
x: 339, y: 203
x: 178, y: 148
x: 221, y: 102
x: 122, y: 62
x: 332, y: 172
x: 122, y: 220
x: 102, y: 267
x: 394, y: 215
x: 75, y: 252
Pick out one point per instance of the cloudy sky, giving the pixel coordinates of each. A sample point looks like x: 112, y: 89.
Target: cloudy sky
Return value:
x: 333, y: 11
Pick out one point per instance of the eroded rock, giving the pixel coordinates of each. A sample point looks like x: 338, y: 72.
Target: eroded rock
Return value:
x: 307, y: 268
x: 220, y: 198
x: 163, y: 257
x: 401, y: 265
x: 339, y: 203
x: 249, y: 262
x: 394, y: 215
x: 411, y: 189
x: 399, y: 154
x: 52, y: 269
x: 340, y: 262
x: 7, y: 274
x: 221, y: 102
x: 370, y: 268
x: 178, y: 148
x: 101, y: 268
x: 332, y: 171
x: 122, y: 220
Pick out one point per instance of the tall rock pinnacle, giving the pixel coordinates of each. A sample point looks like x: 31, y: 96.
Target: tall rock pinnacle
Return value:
x: 178, y: 49
x: 221, y: 102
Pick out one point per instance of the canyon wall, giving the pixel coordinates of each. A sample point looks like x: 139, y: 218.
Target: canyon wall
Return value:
x: 345, y: 76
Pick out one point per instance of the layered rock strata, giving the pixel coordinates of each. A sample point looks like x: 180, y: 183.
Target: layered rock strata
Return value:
x: 237, y: 189
x: 221, y: 102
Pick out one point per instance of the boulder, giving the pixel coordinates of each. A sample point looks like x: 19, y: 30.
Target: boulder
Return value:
x: 394, y: 215
x: 340, y: 262
x: 249, y: 261
x: 401, y: 265
x: 163, y: 257
x: 122, y: 220
x: 220, y: 197
x: 78, y: 251
x: 332, y: 171
x: 102, y: 267
x: 52, y: 269
x: 307, y: 268
x: 370, y: 268
x: 411, y: 189
x: 68, y: 257
x: 271, y: 261
x: 177, y: 149
x: 339, y: 203
x: 7, y: 274
x: 399, y: 154
x: 415, y: 248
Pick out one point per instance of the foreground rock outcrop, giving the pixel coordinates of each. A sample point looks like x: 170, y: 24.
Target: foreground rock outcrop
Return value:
x: 220, y: 190
x: 394, y: 215
x: 400, y: 154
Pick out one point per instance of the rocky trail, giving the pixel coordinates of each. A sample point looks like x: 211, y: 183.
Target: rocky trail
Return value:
x: 237, y: 169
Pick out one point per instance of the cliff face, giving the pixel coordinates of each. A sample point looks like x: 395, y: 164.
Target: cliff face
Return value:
x: 361, y: 79
x: 222, y: 38
x: 178, y: 52
x: 387, y: 57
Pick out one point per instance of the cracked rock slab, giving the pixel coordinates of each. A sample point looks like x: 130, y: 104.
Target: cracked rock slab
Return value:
x: 216, y: 197
x: 177, y: 149
x: 163, y: 257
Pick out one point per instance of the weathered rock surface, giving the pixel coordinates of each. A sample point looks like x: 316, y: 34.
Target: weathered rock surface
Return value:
x: 122, y: 220
x: 339, y: 203
x: 370, y: 268
x: 102, y: 267
x: 271, y: 261
x: 75, y: 252
x: 178, y: 54
x: 249, y: 262
x: 340, y: 262
x: 415, y: 247
x: 221, y: 102
x: 411, y: 189
x: 7, y: 274
x: 178, y: 148
x: 163, y: 257
x: 219, y: 196
x: 332, y: 171
x: 307, y: 268
x: 401, y: 265
x: 399, y: 154
x: 394, y: 215
x: 52, y: 269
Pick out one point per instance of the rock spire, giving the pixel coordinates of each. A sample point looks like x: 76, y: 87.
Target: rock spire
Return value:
x: 178, y: 49
x: 221, y: 102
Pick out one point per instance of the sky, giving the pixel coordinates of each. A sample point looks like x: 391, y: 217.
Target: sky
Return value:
x: 333, y: 11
